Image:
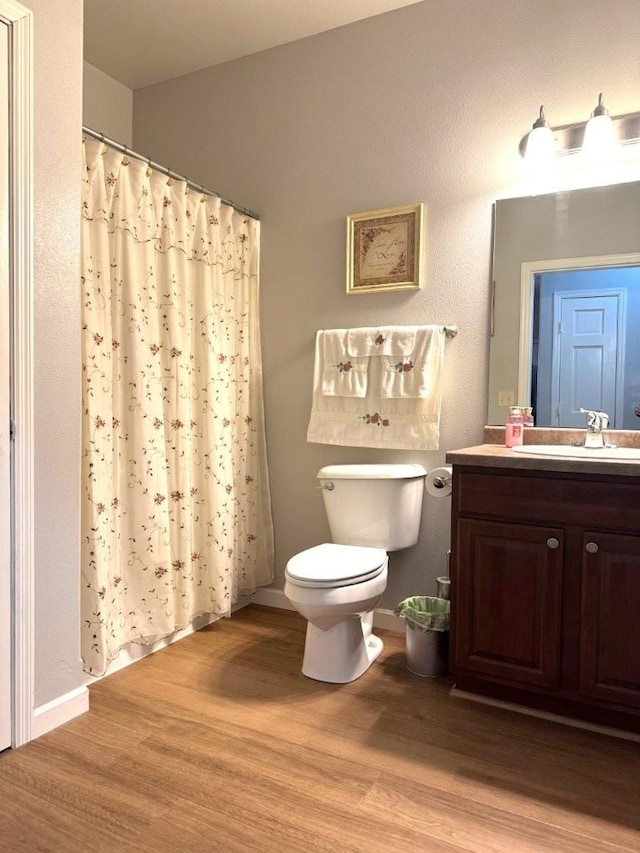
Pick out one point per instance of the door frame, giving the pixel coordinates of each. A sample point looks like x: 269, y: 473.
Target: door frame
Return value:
x: 19, y: 21
x: 527, y: 271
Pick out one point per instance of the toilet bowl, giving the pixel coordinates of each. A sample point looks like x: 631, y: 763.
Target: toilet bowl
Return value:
x: 336, y: 588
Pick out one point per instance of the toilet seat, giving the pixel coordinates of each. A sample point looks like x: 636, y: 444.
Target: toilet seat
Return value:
x: 331, y: 565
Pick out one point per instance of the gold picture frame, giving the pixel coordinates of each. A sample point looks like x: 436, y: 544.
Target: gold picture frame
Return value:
x: 384, y: 249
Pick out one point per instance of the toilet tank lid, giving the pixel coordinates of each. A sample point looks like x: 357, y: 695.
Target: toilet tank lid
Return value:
x: 371, y: 472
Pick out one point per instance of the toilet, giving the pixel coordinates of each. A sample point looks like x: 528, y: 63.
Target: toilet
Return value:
x: 371, y: 509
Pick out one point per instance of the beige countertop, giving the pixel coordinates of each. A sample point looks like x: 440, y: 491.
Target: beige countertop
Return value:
x: 493, y: 455
x: 557, y: 435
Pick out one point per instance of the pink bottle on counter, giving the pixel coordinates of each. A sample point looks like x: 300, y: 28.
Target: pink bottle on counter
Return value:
x: 514, y: 428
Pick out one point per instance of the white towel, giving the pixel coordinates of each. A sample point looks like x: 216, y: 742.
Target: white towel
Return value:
x: 342, y: 375
x: 420, y: 373
x: 381, y: 340
x: 403, y: 422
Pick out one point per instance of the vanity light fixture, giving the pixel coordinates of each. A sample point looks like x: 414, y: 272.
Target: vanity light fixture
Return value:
x: 602, y: 132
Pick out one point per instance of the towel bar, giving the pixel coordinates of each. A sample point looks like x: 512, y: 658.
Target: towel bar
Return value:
x: 450, y: 330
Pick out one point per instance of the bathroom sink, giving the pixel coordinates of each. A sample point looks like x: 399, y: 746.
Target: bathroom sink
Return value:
x: 569, y: 452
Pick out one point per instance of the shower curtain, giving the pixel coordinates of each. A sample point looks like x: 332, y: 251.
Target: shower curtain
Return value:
x: 176, y: 512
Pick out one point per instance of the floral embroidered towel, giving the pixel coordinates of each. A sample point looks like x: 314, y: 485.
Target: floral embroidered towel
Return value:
x: 342, y: 375
x: 403, y: 422
x: 418, y: 374
x: 381, y: 340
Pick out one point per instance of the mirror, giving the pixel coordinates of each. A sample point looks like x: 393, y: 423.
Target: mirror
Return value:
x: 566, y: 306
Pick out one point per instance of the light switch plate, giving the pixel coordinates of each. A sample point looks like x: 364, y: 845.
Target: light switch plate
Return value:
x: 506, y: 398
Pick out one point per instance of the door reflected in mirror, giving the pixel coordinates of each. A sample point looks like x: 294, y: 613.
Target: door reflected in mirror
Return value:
x: 566, y: 311
x: 584, y: 351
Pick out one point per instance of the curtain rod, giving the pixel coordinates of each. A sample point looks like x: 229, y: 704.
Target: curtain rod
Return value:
x: 163, y: 169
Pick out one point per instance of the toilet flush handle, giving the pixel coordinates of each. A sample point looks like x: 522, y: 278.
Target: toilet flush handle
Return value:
x: 328, y: 486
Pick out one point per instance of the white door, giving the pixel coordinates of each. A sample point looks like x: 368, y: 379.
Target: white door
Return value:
x: 5, y: 446
x: 585, y: 368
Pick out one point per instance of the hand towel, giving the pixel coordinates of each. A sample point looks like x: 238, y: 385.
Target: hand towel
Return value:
x: 418, y: 374
x: 342, y: 375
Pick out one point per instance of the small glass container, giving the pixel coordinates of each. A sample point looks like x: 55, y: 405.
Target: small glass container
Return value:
x: 527, y: 416
x: 514, y: 428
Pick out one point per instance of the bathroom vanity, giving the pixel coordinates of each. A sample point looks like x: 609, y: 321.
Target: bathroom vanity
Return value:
x: 545, y: 595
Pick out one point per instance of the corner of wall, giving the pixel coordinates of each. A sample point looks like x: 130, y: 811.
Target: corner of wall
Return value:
x: 107, y: 105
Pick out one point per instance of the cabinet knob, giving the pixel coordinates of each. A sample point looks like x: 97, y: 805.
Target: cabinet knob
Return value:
x: 592, y: 547
x: 552, y: 543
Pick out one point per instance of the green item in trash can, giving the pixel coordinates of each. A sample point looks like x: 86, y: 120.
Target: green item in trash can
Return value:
x: 426, y: 612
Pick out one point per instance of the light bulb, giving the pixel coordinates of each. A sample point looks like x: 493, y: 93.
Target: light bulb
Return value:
x: 599, y: 136
x: 540, y: 147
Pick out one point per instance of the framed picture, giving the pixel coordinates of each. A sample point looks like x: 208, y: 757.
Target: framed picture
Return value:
x: 384, y: 249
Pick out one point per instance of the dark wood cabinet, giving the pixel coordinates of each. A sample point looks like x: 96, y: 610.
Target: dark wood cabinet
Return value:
x: 610, y: 618
x: 509, y: 604
x: 546, y: 590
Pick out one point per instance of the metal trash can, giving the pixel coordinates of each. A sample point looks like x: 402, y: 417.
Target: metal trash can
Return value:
x: 427, y: 634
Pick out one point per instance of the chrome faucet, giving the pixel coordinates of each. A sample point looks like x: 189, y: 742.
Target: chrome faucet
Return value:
x: 596, y: 423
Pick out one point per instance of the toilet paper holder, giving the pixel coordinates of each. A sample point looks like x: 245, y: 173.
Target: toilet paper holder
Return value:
x: 441, y: 482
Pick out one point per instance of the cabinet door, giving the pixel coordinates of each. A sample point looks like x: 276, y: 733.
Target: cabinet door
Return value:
x: 508, y: 593
x: 610, y: 618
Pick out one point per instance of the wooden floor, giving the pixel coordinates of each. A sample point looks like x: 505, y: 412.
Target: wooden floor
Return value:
x: 218, y: 743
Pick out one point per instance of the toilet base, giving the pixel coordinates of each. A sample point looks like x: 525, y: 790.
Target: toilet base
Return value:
x: 341, y: 653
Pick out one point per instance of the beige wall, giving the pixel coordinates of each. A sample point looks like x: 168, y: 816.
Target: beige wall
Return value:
x: 57, y: 162
x: 107, y: 105
x: 426, y: 104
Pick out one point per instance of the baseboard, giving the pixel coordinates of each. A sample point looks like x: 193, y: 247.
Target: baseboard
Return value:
x: 388, y: 621
x: 59, y: 711
x: 544, y: 715
x: 268, y: 597
x: 271, y: 598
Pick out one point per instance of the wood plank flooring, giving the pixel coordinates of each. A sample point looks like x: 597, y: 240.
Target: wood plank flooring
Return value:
x: 218, y: 743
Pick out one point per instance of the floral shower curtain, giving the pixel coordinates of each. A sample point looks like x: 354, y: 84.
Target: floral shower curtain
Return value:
x: 176, y: 516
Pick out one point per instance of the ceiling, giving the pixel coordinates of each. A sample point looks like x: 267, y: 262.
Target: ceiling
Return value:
x: 141, y: 42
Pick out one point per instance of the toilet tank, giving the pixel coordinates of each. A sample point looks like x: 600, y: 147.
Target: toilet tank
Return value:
x: 378, y: 506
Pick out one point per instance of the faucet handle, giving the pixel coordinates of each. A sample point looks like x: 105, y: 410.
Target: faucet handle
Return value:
x: 596, y: 421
